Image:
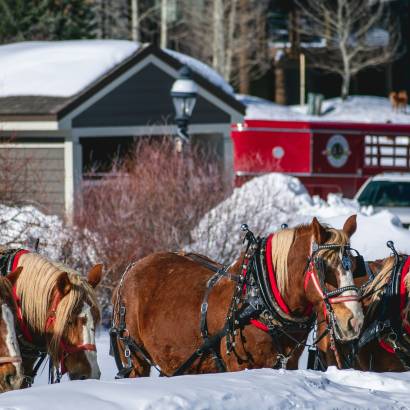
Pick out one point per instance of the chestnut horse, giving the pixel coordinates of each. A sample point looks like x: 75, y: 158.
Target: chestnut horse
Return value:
x: 57, y: 313
x: 11, y: 369
x: 157, y: 315
x: 385, y: 342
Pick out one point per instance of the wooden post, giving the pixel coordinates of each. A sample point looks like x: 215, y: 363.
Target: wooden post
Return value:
x: 302, y: 77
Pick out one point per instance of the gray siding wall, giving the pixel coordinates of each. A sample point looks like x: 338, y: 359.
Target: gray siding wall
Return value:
x: 144, y: 99
x: 38, y: 176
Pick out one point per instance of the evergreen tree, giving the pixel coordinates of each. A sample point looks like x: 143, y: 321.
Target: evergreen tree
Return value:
x: 46, y: 20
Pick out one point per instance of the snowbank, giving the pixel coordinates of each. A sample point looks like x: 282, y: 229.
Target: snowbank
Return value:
x: 22, y: 226
x: 367, y: 109
x: 266, y: 202
x: 64, y: 68
x: 264, y: 388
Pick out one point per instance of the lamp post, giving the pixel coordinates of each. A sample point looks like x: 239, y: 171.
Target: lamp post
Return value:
x: 183, y: 93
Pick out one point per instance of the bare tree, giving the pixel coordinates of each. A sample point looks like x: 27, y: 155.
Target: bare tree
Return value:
x: 235, y: 31
x: 347, y: 36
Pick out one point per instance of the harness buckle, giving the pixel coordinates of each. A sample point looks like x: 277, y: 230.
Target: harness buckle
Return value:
x: 283, y: 360
x: 204, y: 307
x: 127, y: 352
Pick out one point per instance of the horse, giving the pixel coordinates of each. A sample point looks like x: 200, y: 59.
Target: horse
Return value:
x: 57, y: 313
x: 398, y: 100
x: 11, y: 369
x: 184, y: 313
x: 384, y: 344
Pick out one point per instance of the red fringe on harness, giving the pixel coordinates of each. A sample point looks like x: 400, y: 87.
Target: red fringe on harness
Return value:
x: 274, y: 288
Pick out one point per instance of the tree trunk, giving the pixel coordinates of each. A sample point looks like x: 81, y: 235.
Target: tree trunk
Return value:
x: 243, y: 49
x: 280, y: 84
x: 345, y: 86
x: 164, y: 10
x: 218, y: 43
x: 135, y: 31
x: 230, y: 41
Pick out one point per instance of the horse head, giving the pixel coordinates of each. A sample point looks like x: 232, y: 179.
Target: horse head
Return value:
x: 329, y: 282
x: 71, y: 326
x: 11, y: 369
x: 60, y: 309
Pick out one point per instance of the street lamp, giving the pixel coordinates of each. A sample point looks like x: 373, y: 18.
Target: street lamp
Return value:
x: 183, y: 93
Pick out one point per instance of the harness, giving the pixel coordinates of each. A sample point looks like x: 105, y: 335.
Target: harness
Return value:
x: 256, y: 300
x: 393, y: 336
x: 8, y: 263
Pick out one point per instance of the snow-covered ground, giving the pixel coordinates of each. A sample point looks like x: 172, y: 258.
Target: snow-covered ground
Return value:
x: 262, y: 389
x: 357, y: 108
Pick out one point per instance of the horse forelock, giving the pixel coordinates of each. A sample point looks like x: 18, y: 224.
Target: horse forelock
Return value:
x: 36, y: 287
x: 335, y: 237
x: 282, y: 242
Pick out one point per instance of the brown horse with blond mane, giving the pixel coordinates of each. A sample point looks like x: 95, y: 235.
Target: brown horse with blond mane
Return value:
x: 384, y: 344
x: 57, y: 313
x: 187, y: 314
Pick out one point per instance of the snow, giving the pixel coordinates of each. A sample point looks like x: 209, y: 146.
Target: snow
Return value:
x: 266, y: 388
x: 61, y: 69
x: 202, y: 69
x: 266, y: 202
x: 358, y: 108
x: 65, y: 68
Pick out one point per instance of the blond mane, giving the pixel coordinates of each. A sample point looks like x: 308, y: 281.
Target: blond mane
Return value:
x: 376, y: 286
x: 36, y: 287
x: 281, y: 243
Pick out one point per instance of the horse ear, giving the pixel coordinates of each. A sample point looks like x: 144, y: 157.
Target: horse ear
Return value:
x: 13, y: 276
x: 319, y: 233
x: 94, y: 275
x: 350, y: 226
x: 63, y: 283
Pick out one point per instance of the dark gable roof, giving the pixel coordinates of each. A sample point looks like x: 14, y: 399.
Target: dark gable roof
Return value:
x: 43, y: 107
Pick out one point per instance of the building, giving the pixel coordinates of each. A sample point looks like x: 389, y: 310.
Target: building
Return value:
x: 65, y: 105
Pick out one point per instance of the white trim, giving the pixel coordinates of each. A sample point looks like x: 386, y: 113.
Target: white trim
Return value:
x: 66, y: 122
x: 165, y: 129
x: 29, y: 125
x: 236, y: 116
x: 69, y: 178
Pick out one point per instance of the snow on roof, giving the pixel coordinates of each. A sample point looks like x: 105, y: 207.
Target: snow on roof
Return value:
x: 58, y: 68
x: 358, y: 108
x: 202, y: 69
x: 65, y: 68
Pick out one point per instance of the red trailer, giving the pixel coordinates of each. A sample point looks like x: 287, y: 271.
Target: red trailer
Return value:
x: 326, y: 156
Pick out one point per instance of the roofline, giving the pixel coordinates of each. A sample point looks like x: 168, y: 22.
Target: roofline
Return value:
x: 28, y: 117
x: 135, y: 58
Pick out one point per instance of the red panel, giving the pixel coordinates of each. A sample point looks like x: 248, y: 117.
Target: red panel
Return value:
x: 254, y: 151
x: 338, y: 153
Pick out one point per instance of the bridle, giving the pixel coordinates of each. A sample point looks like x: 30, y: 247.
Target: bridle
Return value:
x: 65, y: 349
x: 315, y: 271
